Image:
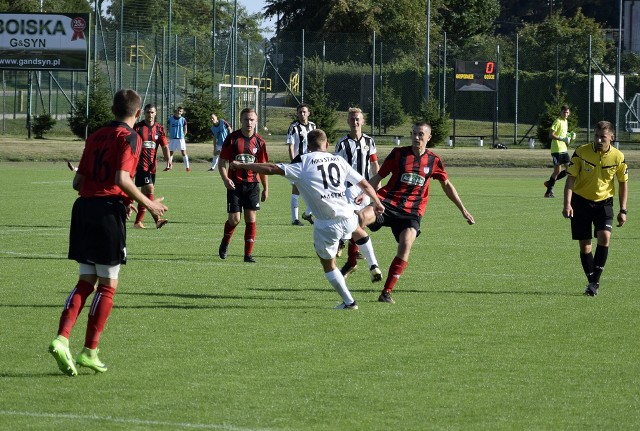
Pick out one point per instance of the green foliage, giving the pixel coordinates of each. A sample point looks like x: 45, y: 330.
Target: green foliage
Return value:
x: 467, y: 18
x: 100, y: 102
x: 549, y: 115
x: 392, y: 111
x: 42, y: 124
x: 323, y: 108
x: 563, y: 39
x: 199, y: 105
x: 439, y: 122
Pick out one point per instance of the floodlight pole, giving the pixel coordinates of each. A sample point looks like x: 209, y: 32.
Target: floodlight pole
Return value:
x: 617, y: 135
x: 427, y: 78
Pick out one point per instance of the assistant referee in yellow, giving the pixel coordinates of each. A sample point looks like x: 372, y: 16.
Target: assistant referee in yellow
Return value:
x: 588, y: 199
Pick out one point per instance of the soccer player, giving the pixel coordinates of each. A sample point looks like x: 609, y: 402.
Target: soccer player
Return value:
x: 559, y: 140
x: 243, y: 191
x: 153, y: 136
x: 177, y: 135
x: 359, y: 150
x: 588, y: 199
x: 321, y: 178
x: 220, y: 128
x: 97, y: 239
x: 297, y: 142
x: 405, y: 198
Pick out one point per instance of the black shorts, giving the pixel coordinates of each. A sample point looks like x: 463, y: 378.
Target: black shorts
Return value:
x: 98, y: 234
x: 144, y: 178
x: 560, y: 159
x: 397, y: 221
x: 589, y: 214
x: 246, y: 195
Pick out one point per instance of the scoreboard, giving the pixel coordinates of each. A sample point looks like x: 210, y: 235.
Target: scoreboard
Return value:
x: 475, y: 75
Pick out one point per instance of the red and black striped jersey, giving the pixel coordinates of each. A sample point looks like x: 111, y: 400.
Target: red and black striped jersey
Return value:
x: 238, y: 147
x: 152, y: 137
x: 112, y: 148
x: 408, y: 188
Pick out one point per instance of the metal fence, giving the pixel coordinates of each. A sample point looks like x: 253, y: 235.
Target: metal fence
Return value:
x: 353, y: 67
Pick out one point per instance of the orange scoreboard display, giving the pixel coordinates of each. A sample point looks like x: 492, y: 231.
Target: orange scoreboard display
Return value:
x: 475, y: 75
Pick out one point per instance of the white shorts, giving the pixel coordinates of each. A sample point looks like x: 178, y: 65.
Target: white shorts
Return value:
x: 104, y: 271
x: 176, y: 144
x: 352, y: 193
x: 327, y: 233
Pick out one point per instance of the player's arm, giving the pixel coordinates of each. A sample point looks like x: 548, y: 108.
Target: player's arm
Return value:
x: 367, y: 189
x: 290, y: 151
x: 77, y: 181
x: 124, y: 181
x: 185, y: 127
x: 567, y: 210
x: 623, y: 190
x: 224, y: 174
x: 375, y: 181
x: 261, y: 168
x: 265, y: 187
x: 453, y: 196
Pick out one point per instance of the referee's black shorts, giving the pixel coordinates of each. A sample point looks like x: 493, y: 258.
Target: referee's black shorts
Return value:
x: 588, y: 215
x: 98, y: 234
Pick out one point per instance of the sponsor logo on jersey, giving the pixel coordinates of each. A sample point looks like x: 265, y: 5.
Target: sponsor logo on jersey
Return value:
x: 412, y: 179
x: 148, y: 144
x: 245, y: 158
x: 333, y: 195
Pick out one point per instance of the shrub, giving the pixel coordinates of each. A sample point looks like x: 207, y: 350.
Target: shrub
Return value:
x: 549, y: 115
x: 42, y: 124
x: 438, y: 120
x: 100, y: 102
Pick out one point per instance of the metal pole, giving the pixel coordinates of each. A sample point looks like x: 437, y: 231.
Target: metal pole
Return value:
x: 618, y: 54
x: 168, y: 73
x: 373, y: 83
x: 195, y: 60
x: 380, y: 101
x: 135, y: 81
x: 234, y: 35
x: 427, y: 77
x: 444, y: 75
x: 589, y: 94
x: 302, y: 71
x: 29, y: 105
x: 175, y: 70
x: 213, y: 47
x: 495, y: 134
x: 120, y: 43
x: 515, y: 120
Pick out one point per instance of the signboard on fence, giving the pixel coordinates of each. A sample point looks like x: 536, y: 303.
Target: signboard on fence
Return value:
x: 475, y: 75
x: 44, y: 41
x: 603, y: 88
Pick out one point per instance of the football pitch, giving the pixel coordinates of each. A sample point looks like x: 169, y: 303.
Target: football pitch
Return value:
x: 490, y: 329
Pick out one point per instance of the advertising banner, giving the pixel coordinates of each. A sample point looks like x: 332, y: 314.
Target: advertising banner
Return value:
x: 44, y: 41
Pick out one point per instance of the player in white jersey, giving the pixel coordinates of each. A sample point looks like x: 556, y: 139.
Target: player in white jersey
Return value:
x: 359, y: 150
x: 320, y: 177
x: 297, y: 142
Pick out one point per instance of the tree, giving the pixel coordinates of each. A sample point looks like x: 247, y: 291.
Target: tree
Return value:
x: 392, y: 112
x: 100, y: 102
x: 463, y: 19
x: 322, y: 107
x: 198, y: 106
x: 571, y: 38
x: 42, y: 124
x: 550, y: 113
x: 438, y: 120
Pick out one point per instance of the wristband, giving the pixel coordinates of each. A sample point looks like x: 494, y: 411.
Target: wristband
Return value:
x: 623, y: 211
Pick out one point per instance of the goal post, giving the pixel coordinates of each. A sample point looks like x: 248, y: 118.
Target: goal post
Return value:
x: 246, y: 96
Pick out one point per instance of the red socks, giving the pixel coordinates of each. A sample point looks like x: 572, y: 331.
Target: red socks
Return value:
x: 142, y: 210
x: 249, y: 238
x: 98, y: 315
x: 352, y: 251
x: 228, y: 232
x: 73, y: 306
x: 396, y: 269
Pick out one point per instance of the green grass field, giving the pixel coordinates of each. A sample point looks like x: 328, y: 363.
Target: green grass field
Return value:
x: 490, y: 329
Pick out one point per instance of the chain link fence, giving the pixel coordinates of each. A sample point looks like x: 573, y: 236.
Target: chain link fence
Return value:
x: 353, y: 69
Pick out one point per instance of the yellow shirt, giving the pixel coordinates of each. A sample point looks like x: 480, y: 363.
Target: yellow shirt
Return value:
x: 594, y: 172
x: 560, y: 128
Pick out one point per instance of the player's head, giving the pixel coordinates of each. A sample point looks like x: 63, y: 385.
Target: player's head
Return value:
x: 355, y: 118
x: 214, y: 118
x: 150, y: 111
x: 317, y: 140
x: 303, y: 111
x: 179, y: 111
x: 420, y: 135
x: 565, y: 111
x: 603, y: 135
x: 126, y: 104
x: 249, y: 120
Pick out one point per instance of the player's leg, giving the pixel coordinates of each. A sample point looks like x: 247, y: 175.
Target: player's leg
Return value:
x: 74, y: 304
x: 234, y: 211
x: 295, y: 202
x: 185, y: 157
x: 216, y: 156
x: 366, y: 245
x: 552, y: 179
x: 143, y: 180
x: 405, y: 233
x: 326, y: 245
x: 249, y: 234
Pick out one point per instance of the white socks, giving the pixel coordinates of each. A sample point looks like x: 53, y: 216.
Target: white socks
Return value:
x: 336, y: 279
